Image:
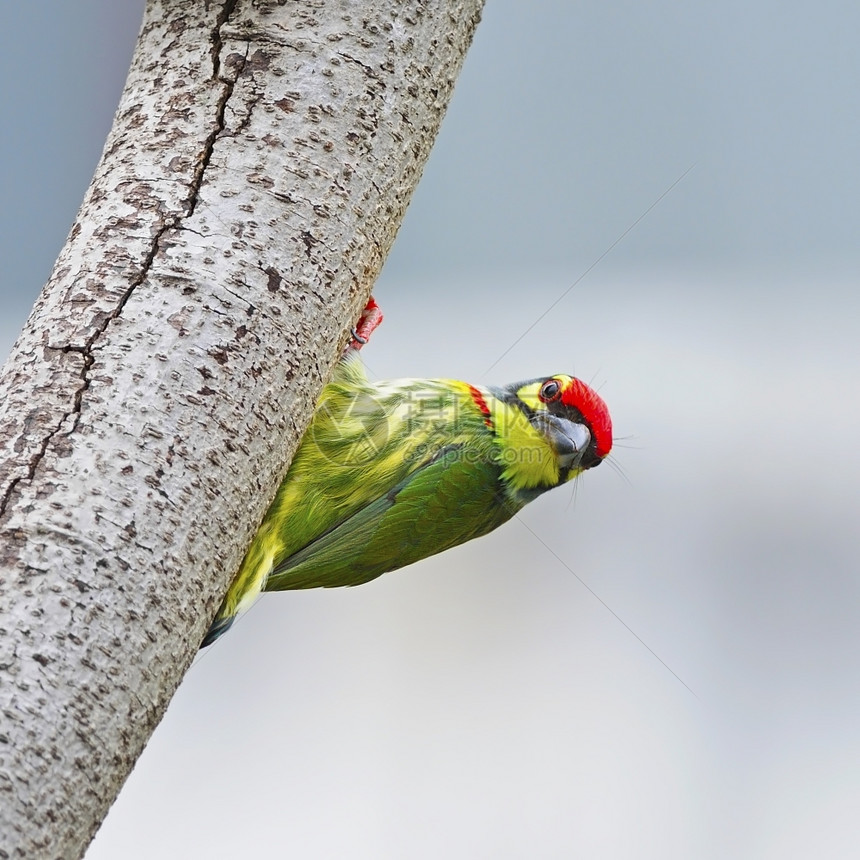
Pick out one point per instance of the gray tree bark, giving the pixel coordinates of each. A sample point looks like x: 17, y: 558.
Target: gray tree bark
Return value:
x: 260, y: 162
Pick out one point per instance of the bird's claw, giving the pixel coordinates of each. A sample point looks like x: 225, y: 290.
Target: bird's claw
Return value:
x: 370, y: 318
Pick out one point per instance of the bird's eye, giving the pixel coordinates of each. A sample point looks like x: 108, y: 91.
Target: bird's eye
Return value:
x: 550, y: 391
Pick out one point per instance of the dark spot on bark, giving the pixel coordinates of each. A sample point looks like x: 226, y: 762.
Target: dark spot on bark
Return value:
x: 234, y: 60
x: 310, y: 240
x: 179, y: 24
x: 205, y: 372
x: 176, y: 113
x: 129, y: 224
x: 220, y: 355
x: 206, y: 390
x: 275, y: 279
x: 259, y: 61
x: 127, y: 470
x: 130, y: 529
x: 41, y: 659
x: 260, y: 179
x: 241, y: 331
x: 62, y: 446
x: 81, y: 586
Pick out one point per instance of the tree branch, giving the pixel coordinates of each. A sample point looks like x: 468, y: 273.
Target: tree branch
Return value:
x: 258, y: 168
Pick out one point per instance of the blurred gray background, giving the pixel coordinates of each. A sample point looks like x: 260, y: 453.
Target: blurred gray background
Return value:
x: 484, y: 703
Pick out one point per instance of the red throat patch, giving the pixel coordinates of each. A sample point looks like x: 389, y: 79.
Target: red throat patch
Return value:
x: 595, y: 412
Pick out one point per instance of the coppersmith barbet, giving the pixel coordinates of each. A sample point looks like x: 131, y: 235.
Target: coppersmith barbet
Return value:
x: 392, y: 472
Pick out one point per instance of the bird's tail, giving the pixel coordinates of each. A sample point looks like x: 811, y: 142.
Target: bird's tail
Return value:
x: 219, y: 627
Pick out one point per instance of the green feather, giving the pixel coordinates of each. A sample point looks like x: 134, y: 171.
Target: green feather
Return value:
x: 446, y: 501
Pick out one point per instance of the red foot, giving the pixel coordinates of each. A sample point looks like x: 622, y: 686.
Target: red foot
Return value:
x: 370, y: 318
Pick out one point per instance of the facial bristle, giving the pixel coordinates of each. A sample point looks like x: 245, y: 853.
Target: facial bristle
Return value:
x: 594, y: 411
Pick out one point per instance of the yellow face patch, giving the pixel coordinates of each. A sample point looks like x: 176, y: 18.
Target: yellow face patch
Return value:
x: 526, y: 457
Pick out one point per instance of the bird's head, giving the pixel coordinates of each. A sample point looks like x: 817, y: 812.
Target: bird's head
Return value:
x: 570, y: 415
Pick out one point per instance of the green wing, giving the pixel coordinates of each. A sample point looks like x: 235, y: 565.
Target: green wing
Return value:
x: 450, y: 499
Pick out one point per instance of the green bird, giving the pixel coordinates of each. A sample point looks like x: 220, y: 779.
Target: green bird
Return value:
x: 391, y: 472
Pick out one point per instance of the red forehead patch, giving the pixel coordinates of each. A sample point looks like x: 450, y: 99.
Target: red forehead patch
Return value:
x: 595, y: 412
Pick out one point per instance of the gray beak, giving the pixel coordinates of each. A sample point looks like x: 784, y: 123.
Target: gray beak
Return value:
x: 569, y: 439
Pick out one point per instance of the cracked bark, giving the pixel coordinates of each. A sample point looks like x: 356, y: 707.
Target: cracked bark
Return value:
x: 260, y: 162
